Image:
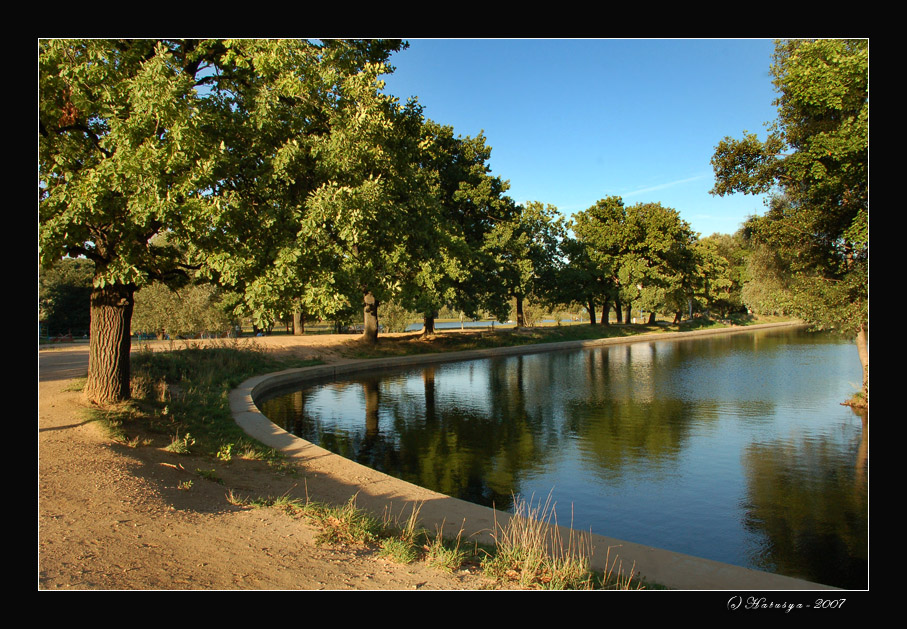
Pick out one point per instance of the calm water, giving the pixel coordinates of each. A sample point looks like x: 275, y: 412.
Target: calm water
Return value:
x: 731, y: 448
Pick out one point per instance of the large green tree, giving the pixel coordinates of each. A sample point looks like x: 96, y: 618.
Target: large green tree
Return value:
x: 214, y: 142
x: 381, y: 228
x: 814, y: 238
x: 722, y: 261
x: 471, y: 202
x: 640, y: 253
x: 527, y: 253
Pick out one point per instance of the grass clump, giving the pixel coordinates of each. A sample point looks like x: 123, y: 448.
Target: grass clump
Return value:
x: 345, y: 525
x: 447, y: 555
x: 530, y: 550
x: 399, y: 550
x: 181, y: 445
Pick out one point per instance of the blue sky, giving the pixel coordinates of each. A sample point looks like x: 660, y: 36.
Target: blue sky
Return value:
x: 571, y: 121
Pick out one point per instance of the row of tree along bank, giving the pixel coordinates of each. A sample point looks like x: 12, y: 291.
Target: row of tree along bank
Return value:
x: 275, y: 179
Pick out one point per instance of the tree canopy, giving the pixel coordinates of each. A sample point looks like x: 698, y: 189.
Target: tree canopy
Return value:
x: 238, y: 150
x: 526, y: 252
x: 642, y: 252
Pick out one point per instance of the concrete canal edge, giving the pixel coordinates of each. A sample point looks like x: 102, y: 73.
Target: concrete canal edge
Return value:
x: 335, y: 479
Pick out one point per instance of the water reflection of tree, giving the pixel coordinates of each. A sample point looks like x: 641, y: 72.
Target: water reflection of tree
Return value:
x: 291, y: 412
x: 810, y: 509
x: 618, y: 419
x: 474, y: 453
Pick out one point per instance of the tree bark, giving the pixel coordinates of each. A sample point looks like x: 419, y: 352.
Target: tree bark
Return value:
x: 428, y: 323
x: 618, y: 315
x: 370, y: 315
x: 591, y: 307
x: 628, y: 317
x: 298, y: 323
x: 109, y: 345
x: 863, y: 351
x: 652, y: 318
x: 605, y: 308
x: 520, y: 320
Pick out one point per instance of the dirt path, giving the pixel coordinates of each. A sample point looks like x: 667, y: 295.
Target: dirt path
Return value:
x: 113, y: 517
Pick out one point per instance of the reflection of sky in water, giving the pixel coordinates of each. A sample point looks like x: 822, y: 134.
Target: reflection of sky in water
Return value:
x: 671, y: 444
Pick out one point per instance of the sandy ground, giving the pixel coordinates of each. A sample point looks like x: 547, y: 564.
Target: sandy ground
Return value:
x: 113, y: 517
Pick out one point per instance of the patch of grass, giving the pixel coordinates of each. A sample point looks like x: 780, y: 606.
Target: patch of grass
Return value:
x: 210, y: 475
x: 858, y: 400
x: 403, y: 345
x: 76, y: 384
x: 463, y: 340
x: 180, y: 445
x: 236, y: 500
x: 404, y: 539
x: 399, y: 550
x: 186, y: 392
x: 447, y: 555
x: 529, y: 549
x: 114, y: 419
x: 345, y: 525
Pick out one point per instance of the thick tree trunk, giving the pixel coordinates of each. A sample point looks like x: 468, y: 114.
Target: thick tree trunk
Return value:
x: 298, y: 323
x: 863, y: 351
x: 618, y: 315
x: 628, y: 317
x: 651, y: 318
x: 605, y: 313
x: 428, y: 323
x: 520, y: 320
x: 108, y: 350
x: 370, y: 323
x: 591, y: 307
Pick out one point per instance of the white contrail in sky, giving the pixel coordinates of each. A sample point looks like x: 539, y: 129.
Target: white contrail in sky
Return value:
x: 665, y: 185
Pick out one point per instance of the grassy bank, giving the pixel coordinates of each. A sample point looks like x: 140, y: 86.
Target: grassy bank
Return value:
x: 184, y: 395
x: 462, y: 340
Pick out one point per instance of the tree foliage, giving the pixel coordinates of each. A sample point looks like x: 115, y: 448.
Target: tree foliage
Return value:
x: 721, y: 267
x: 64, y: 297
x: 526, y: 250
x: 245, y: 152
x: 187, y: 311
x: 641, y: 253
x: 815, y: 160
x: 470, y: 203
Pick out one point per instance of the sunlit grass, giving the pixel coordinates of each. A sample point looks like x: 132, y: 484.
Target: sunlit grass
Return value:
x: 183, y: 394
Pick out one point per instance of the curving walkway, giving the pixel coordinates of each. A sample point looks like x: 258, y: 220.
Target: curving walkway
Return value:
x: 332, y: 477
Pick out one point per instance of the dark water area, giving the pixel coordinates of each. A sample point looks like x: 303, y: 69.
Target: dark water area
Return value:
x: 733, y: 448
